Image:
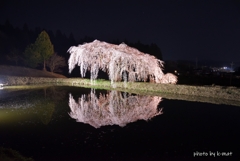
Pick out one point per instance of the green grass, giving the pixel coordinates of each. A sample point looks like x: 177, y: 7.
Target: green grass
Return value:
x: 212, y: 94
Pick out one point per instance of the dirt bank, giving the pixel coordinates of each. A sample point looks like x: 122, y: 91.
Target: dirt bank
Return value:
x: 27, y: 72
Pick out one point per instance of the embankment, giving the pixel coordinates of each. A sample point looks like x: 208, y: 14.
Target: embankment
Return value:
x: 210, y: 94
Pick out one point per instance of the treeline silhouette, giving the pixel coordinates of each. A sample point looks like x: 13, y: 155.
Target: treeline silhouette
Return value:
x: 14, y: 40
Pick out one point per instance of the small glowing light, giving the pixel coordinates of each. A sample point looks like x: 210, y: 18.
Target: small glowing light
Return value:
x: 2, y: 85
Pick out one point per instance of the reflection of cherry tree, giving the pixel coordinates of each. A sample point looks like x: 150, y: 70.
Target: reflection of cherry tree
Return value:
x: 120, y: 61
x: 114, y: 108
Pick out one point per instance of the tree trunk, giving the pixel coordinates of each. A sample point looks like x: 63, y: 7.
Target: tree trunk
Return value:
x: 44, y: 67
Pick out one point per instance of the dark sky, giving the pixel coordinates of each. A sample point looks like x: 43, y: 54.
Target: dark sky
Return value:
x: 183, y: 29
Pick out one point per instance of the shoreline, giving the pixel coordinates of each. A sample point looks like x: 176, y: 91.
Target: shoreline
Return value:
x: 210, y: 94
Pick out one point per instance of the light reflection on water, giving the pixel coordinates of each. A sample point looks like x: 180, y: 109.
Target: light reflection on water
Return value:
x: 113, y: 108
x: 112, y: 125
x: 35, y: 105
x: 106, y: 108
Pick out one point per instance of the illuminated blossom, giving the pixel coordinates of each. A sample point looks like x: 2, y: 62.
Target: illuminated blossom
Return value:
x: 119, y: 61
x: 169, y: 78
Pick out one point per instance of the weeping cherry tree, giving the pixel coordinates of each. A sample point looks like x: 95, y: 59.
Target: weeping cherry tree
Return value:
x: 119, y: 61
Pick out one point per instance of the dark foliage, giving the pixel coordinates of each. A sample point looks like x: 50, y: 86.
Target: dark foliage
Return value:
x: 17, y: 39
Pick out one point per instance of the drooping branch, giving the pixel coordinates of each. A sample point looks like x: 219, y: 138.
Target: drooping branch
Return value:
x: 117, y: 60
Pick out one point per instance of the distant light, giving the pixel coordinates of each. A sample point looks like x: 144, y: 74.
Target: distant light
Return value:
x: 1, y: 85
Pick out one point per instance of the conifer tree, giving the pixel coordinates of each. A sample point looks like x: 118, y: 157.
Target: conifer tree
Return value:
x: 40, y: 51
x: 32, y: 57
x: 44, y: 47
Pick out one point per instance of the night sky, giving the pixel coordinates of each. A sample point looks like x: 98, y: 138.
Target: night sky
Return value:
x: 183, y: 29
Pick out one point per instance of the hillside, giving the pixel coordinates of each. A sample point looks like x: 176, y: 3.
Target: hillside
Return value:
x: 27, y: 72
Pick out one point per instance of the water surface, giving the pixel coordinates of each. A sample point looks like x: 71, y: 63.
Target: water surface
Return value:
x: 73, y: 123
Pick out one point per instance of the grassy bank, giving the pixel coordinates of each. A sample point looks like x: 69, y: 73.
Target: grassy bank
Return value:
x: 23, y: 71
x: 210, y: 94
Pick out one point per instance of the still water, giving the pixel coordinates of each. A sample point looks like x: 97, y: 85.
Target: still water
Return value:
x: 73, y: 123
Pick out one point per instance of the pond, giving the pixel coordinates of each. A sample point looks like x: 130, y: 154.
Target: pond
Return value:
x: 74, y: 123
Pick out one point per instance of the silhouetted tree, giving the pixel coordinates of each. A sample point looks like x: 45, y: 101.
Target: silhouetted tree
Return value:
x: 14, y: 56
x: 56, y: 62
x: 152, y: 49
x: 32, y: 57
x: 71, y: 39
x: 8, y: 27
